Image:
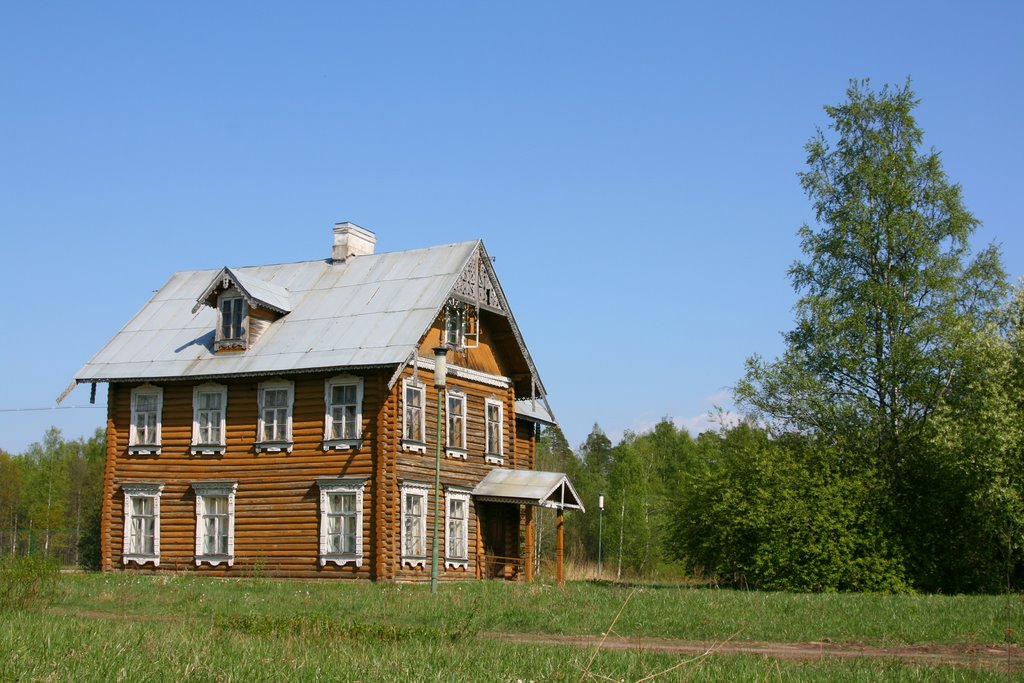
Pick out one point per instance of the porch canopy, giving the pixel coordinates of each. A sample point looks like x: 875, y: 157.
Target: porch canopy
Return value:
x: 529, y: 487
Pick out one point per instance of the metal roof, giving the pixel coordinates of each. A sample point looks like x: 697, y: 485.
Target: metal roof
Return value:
x: 529, y: 487
x: 367, y: 311
x: 255, y: 291
x: 534, y: 410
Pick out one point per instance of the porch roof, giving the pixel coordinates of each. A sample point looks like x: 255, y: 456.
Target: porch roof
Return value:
x: 529, y: 487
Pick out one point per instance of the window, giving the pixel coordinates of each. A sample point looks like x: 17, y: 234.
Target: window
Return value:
x: 341, y: 521
x: 456, y: 549
x: 232, y: 318
x: 455, y: 325
x: 275, y: 418
x: 209, y: 407
x: 413, y: 417
x: 343, y: 420
x: 456, y: 418
x: 142, y: 523
x: 414, y: 524
x: 144, y: 433
x: 493, y: 410
x: 215, y: 522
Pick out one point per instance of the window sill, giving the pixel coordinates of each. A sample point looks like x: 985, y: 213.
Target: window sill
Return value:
x: 273, y: 446
x: 414, y: 562
x: 141, y: 559
x: 343, y: 444
x: 207, y: 449
x: 214, y: 560
x: 414, y: 446
x: 494, y: 458
x: 458, y: 453
x: 342, y: 560
x: 144, y: 449
x: 230, y: 345
x: 452, y: 563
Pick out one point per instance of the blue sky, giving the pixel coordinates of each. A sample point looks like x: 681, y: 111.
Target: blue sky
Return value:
x: 631, y: 166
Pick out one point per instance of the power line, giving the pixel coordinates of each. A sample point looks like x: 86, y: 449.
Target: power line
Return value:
x: 26, y: 410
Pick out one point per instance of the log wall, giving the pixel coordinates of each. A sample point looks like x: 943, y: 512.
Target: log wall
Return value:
x: 277, y: 514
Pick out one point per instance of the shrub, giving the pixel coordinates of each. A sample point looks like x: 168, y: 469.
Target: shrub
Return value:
x: 26, y: 581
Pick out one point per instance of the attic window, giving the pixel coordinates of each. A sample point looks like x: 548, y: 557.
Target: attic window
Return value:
x: 455, y: 326
x: 232, y: 321
x: 461, y: 325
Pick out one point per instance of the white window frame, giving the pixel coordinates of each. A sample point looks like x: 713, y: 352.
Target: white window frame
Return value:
x: 133, y: 492
x: 451, y: 560
x: 275, y: 445
x: 342, y: 444
x: 415, y: 489
x: 135, y: 444
x: 454, y: 451
x: 333, y: 486
x: 457, y: 313
x: 200, y: 446
x: 491, y: 454
x: 214, y: 489
x: 410, y: 444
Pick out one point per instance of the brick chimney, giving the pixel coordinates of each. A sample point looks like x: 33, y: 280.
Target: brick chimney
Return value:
x: 351, y: 240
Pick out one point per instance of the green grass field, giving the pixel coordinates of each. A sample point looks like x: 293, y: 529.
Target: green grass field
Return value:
x: 179, y: 627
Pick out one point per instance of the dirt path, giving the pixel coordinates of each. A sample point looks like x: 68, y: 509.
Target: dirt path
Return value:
x: 1004, y: 658
x: 1001, y: 658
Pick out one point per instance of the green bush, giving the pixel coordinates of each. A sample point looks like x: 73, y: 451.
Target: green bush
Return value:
x: 27, y: 581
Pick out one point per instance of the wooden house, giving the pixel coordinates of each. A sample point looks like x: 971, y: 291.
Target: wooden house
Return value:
x: 287, y: 419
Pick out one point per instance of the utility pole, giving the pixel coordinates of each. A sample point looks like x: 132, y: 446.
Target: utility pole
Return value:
x: 600, y: 531
x: 622, y: 527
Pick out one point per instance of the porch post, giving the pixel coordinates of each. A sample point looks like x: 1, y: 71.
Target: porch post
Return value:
x: 529, y: 543
x: 560, y: 548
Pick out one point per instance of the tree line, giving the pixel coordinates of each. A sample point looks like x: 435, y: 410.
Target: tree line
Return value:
x: 884, y: 450
x: 50, y: 498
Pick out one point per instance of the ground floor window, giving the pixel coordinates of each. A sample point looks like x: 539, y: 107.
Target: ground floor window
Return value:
x: 142, y: 523
x: 414, y: 524
x: 341, y: 520
x: 215, y: 522
x: 456, y: 551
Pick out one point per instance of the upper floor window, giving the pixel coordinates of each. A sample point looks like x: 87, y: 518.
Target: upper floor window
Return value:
x: 341, y: 521
x: 414, y: 417
x: 209, y: 408
x: 493, y: 412
x: 275, y: 416
x: 215, y: 522
x: 142, y: 523
x: 144, y: 432
x: 343, y: 419
x: 456, y: 418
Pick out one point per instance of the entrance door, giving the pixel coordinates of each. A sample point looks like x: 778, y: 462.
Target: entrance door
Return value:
x: 495, y: 528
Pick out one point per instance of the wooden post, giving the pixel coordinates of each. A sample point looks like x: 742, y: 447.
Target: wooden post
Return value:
x: 560, y: 548
x: 529, y: 543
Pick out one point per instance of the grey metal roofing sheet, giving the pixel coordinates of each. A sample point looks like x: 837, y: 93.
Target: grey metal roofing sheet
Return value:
x: 267, y: 292
x: 369, y: 310
x: 529, y: 486
x: 534, y: 410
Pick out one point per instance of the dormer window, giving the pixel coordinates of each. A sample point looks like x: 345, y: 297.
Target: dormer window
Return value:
x: 246, y: 307
x: 232, y: 312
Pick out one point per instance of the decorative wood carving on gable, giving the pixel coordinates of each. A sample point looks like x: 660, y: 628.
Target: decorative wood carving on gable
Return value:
x: 476, y: 285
